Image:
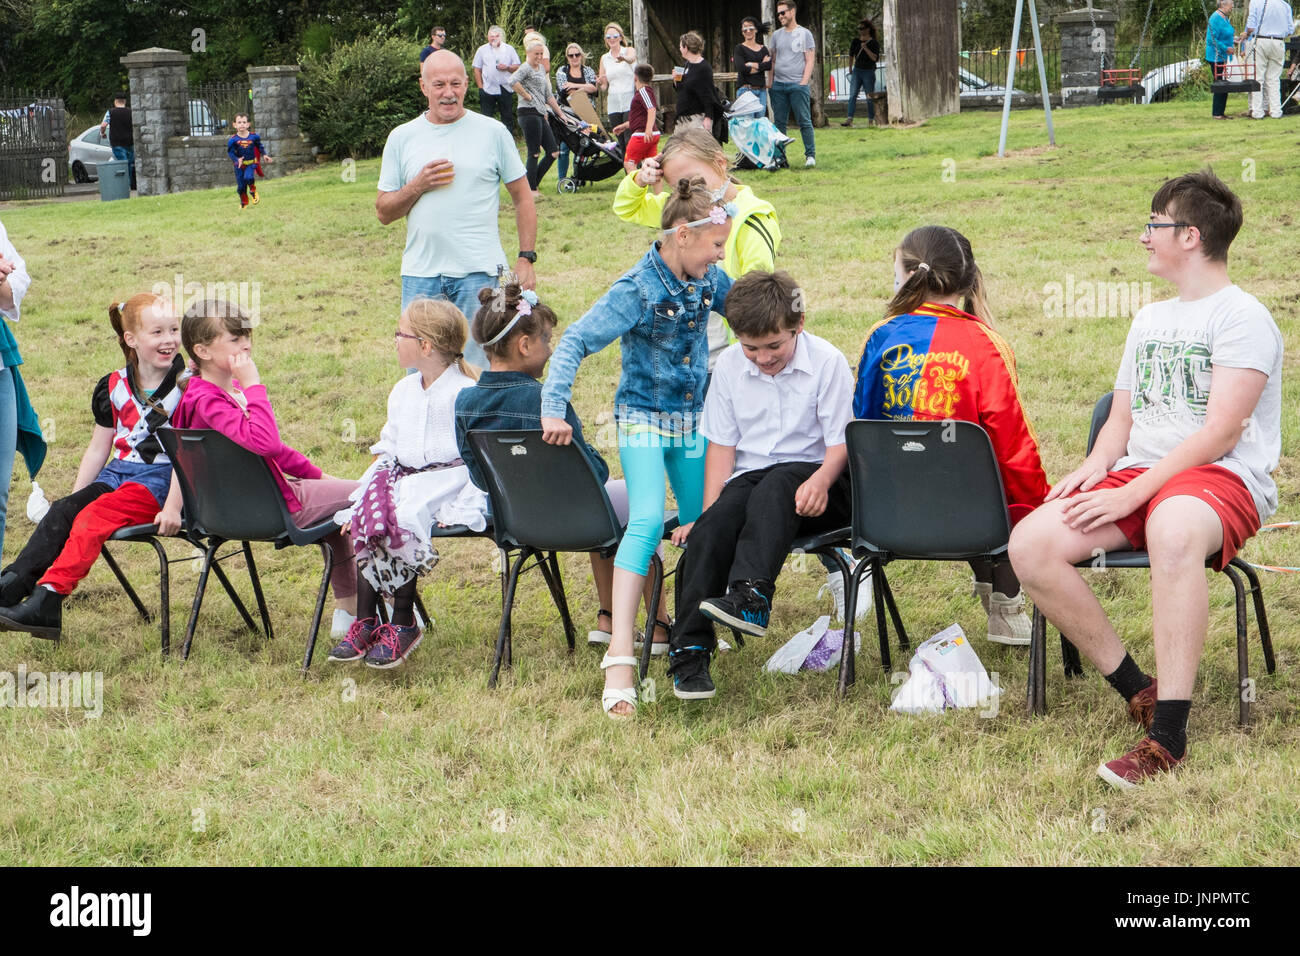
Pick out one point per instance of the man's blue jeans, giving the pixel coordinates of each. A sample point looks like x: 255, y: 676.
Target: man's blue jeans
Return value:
x: 461, y: 291
x: 788, y: 96
x: 127, y: 153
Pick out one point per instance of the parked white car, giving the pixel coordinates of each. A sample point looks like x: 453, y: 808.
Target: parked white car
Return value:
x: 88, y: 150
x: 971, y: 85
x: 1163, y: 82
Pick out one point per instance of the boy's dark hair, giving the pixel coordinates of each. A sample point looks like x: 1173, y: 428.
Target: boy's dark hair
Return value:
x: 497, y: 306
x: 764, y: 303
x: 237, y: 115
x: 644, y: 72
x: 1203, y: 200
x: 119, y: 96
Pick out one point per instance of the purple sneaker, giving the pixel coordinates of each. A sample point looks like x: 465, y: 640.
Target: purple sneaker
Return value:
x: 362, y: 635
x: 393, y: 646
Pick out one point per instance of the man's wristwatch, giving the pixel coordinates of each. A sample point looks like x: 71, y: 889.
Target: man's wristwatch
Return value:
x: 529, y: 255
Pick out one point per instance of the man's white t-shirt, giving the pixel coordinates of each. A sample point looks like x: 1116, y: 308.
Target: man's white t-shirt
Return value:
x: 1167, y: 363
x: 452, y: 230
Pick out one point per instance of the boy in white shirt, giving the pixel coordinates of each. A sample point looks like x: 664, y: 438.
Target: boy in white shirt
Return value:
x: 775, y: 414
x: 1180, y: 469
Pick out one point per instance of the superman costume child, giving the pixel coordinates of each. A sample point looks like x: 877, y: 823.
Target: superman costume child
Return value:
x: 246, y: 153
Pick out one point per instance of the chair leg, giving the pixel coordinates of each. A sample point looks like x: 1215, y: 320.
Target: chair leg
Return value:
x: 164, y: 597
x: 419, y: 607
x: 1070, y: 660
x: 233, y: 595
x: 126, y: 585
x: 320, y: 603
x: 550, y: 566
x: 848, y: 659
x: 877, y: 587
x: 503, y: 632
x: 1036, y: 689
x: 1261, y: 616
x: 198, y: 596
x: 257, y: 589
x: 1243, y: 648
x: 903, y: 643
x: 652, y: 612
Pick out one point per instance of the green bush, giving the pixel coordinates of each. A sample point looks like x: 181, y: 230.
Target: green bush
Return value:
x: 353, y: 96
x: 1196, y: 83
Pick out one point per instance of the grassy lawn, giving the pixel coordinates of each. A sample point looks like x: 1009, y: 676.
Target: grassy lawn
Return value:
x: 232, y: 758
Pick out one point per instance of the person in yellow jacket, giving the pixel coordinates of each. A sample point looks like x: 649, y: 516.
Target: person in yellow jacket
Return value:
x: 755, y: 232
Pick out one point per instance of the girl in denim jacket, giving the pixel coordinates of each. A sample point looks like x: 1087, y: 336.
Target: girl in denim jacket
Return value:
x: 514, y: 327
x: 660, y: 311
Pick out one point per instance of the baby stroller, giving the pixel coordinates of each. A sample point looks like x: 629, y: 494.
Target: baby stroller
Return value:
x: 761, y: 144
x: 595, y: 156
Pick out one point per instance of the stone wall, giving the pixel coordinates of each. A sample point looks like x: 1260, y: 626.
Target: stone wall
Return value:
x: 170, y: 160
x: 1086, y: 35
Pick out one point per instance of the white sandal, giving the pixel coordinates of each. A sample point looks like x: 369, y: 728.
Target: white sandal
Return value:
x: 614, y: 695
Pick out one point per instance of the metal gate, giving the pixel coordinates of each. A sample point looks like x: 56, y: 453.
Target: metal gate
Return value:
x: 33, y: 145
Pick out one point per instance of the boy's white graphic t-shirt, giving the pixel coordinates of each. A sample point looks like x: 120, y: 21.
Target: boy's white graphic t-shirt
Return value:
x: 1168, y: 356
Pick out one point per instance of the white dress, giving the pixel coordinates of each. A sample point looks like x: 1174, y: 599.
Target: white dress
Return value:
x: 420, y: 431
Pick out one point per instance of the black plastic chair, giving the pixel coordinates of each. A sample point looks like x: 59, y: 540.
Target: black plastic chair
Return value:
x: 230, y: 495
x: 922, y: 491
x: 1036, y: 690
x: 546, y: 499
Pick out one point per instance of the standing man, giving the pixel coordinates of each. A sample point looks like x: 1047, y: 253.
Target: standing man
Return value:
x: 793, y: 57
x: 494, y: 62
x: 442, y: 172
x: 1268, y: 25
x: 437, y: 40
x: 121, y: 137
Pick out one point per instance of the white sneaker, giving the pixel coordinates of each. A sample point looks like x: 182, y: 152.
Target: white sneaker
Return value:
x: 341, y: 623
x: 835, y: 585
x: 810, y: 162
x: 1008, y: 622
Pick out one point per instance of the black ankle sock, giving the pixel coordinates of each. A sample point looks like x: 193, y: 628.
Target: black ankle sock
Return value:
x: 1128, y: 678
x: 404, y: 605
x: 1169, y: 726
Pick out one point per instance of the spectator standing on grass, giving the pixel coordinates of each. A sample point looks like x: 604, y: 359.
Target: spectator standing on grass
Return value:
x: 20, y: 429
x: 793, y: 58
x: 864, y: 52
x: 536, y: 100
x: 121, y: 135
x: 616, y: 77
x: 695, y: 95
x: 572, y: 76
x: 437, y: 40
x: 752, y: 61
x: 1219, y: 43
x: 494, y: 62
x: 1268, y: 26
x: 442, y: 172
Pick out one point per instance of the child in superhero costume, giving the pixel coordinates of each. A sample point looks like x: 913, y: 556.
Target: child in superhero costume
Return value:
x: 247, y: 153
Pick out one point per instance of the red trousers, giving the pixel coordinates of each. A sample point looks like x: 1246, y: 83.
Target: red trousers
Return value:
x: 130, y: 504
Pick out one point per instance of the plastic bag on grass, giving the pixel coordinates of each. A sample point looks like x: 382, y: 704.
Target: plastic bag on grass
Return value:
x: 945, y: 673
x: 815, y: 648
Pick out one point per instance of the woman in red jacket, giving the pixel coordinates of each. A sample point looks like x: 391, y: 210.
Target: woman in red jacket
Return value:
x: 930, y: 360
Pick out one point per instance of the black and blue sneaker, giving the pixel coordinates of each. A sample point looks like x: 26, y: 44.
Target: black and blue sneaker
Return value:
x: 747, y: 607
x: 689, y: 667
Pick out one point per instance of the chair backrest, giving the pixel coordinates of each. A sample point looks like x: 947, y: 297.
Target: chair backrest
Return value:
x: 926, y: 490
x: 543, y: 496
x: 1100, y: 412
x: 228, y: 491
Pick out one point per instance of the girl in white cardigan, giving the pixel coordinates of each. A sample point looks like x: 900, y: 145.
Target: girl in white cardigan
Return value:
x: 417, y: 480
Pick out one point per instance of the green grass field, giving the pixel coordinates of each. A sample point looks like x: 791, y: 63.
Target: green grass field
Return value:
x: 233, y: 758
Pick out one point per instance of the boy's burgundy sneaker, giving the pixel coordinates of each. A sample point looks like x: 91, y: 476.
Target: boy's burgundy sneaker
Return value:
x: 394, y: 645
x: 361, y: 636
x: 1142, y: 705
x: 1145, y: 760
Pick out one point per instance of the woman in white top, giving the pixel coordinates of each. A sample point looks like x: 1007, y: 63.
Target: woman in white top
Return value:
x: 616, y: 77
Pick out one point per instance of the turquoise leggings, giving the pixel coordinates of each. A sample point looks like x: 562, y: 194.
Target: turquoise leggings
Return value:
x: 648, y: 459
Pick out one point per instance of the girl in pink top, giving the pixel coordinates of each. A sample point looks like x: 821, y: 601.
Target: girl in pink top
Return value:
x: 227, y: 395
